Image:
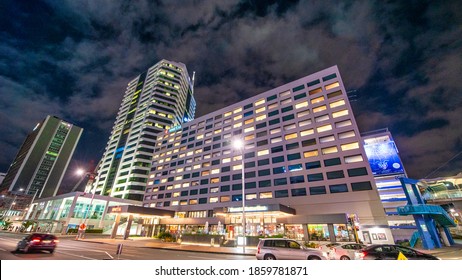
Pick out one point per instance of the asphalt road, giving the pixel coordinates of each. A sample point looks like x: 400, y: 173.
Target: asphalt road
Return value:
x: 69, y: 249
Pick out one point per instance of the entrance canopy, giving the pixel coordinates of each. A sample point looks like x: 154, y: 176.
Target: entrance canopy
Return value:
x: 138, y: 210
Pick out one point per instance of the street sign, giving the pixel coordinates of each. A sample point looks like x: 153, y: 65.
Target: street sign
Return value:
x: 401, y: 257
x: 82, y: 226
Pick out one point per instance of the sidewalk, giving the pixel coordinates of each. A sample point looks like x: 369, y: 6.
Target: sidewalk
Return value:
x: 146, y: 242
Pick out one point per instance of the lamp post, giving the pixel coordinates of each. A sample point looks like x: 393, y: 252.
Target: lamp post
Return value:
x: 238, y: 144
x: 13, y: 202
x: 83, y: 225
x: 30, y: 204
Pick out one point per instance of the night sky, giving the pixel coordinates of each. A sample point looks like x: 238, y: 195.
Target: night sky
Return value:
x: 401, y: 62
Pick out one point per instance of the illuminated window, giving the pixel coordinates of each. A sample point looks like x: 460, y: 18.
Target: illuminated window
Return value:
x: 192, y: 201
x: 197, y: 166
x: 237, y: 110
x: 216, y: 171
x: 329, y: 150
x: 214, y: 180
x: 213, y: 199
x: 303, y: 113
x: 249, y: 129
x: 289, y: 126
x: 225, y: 198
x: 350, y: 146
x: 226, y: 128
x: 340, y: 113
x: 315, y: 91
x: 262, y: 153
x: 325, y: 139
x: 237, y: 167
x: 249, y: 121
x: 272, y: 106
x: 176, y: 194
x: 251, y: 196
x: 306, y: 132
x: 185, y: 185
x: 343, y: 123
x: 239, y: 124
x: 291, y: 136
x: 205, y: 173
x: 276, y: 130
x: 227, y: 121
x: 337, y: 103
x: 346, y: 134
x: 262, y: 109
x: 322, y: 118
x: 285, y: 93
x: 317, y: 100
x: 260, y: 118
x: 175, y: 203
x: 264, y: 195
x: 304, y: 123
x: 249, y: 137
x: 319, y: 109
x: 226, y: 160
x: 313, y: 153
x: 198, y: 151
x: 227, y: 114
x: 301, y: 105
x: 353, y: 159
x: 259, y: 102
x: 286, y: 101
x: 276, y: 140
x: 323, y: 128
x: 333, y: 85
x: 235, y: 158
x: 217, y: 131
x: 238, y: 117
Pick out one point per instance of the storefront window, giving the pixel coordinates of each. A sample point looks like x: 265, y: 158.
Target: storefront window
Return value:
x: 342, y: 233
x: 318, y: 232
x: 294, y: 231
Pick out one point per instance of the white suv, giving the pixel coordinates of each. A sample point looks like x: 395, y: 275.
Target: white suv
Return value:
x: 286, y: 249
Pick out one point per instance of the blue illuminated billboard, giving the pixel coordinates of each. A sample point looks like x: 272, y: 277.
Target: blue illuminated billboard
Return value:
x: 383, y: 158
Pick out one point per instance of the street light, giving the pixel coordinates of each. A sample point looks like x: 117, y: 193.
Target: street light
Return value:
x: 83, y: 226
x: 13, y: 202
x: 238, y: 145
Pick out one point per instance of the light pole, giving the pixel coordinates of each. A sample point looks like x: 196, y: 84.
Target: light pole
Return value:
x: 30, y: 204
x: 238, y: 144
x: 83, y: 225
x: 13, y: 202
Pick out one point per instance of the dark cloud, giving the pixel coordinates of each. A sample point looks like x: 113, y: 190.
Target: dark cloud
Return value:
x: 73, y: 59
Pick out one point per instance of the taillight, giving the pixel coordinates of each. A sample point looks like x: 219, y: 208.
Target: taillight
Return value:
x: 258, y: 250
x: 56, y: 241
x: 36, y: 240
x: 362, y: 255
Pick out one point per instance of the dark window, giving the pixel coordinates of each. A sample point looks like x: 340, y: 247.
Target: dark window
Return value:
x: 287, y: 109
x: 262, y: 143
x: 275, y: 121
x: 215, y: 162
x: 249, y: 155
x: 198, y: 143
x: 262, y: 133
x: 187, y: 176
x: 357, y: 172
x: 280, y: 181
x: 237, y: 197
x: 361, y: 186
x: 338, y: 188
x: 273, y: 113
x: 184, y: 193
x: 225, y: 168
x: 315, y: 82
x: 225, y: 178
x: 263, y: 162
x: 264, y: 172
x: 190, y: 146
x: 294, y: 156
x: 203, y: 191
x: 335, y: 174
x: 260, y: 125
x: 281, y: 193
x: 279, y: 170
x: 292, y: 146
x: 193, y: 192
x: 315, y: 177
x: 249, y: 164
x: 208, y: 148
x: 250, y: 174
x: 278, y: 159
x: 272, y: 97
x: 264, y: 183
x: 209, y: 126
x: 300, y: 87
x: 317, y: 190
x: 301, y: 95
x: 332, y: 162
x: 216, y: 138
x: 237, y: 187
x: 248, y: 106
x: 309, y: 142
x: 249, y: 113
x: 167, y: 203
x: 250, y: 185
x: 330, y: 77
x: 203, y: 200
x: 277, y: 149
x: 204, y: 181
x: 334, y: 94
x: 297, y: 179
x: 298, y: 192
x: 237, y: 176
x: 313, y: 164
x: 225, y: 188
x: 288, y: 117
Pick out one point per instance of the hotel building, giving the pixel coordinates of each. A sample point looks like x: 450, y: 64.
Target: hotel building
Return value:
x: 42, y: 160
x: 157, y: 100
x: 306, y: 174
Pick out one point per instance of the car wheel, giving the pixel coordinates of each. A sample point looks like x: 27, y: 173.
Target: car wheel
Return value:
x: 26, y: 249
x: 269, y: 257
x: 51, y: 251
x: 315, y: 258
x: 344, y: 258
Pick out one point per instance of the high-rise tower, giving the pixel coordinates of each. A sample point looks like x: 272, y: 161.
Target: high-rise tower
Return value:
x: 159, y: 99
x: 42, y: 160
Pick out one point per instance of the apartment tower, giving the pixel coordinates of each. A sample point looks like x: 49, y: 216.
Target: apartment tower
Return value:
x: 157, y: 100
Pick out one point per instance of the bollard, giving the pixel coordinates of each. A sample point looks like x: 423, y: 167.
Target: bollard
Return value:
x: 119, y: 250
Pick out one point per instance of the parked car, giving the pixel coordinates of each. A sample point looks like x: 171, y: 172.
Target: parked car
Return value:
x: 286, y: 249
x: 345, y: 251
x: 37, y: 242
x: 391, y: 252
x: 325, y: 248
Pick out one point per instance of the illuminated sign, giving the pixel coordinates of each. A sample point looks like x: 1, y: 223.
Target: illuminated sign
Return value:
x: 247, y: 209
x: 383, y: 158
x: 175, y: 128
x: 117, y: 209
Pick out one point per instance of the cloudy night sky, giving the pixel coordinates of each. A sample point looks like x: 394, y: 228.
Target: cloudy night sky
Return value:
x: 401, y: 62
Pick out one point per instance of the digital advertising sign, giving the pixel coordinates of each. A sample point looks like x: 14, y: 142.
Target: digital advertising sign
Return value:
x: 383, y: 158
